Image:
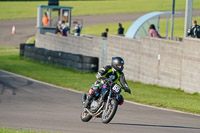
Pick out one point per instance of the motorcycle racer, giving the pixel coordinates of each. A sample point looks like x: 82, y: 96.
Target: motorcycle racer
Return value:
x: 111, y: 72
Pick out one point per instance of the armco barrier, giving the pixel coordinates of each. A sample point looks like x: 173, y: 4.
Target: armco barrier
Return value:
x: 77, y: 62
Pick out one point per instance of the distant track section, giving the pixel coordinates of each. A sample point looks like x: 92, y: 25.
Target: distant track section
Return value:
x: 26, y: 28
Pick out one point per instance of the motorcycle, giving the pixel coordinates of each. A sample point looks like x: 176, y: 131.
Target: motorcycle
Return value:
x: 105, y: 103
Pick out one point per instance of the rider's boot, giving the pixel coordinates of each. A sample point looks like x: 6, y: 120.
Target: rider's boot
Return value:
x: 94, y: 89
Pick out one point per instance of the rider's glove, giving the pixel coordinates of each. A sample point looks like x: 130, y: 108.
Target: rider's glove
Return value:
x: 98, y: 75
x: 127, y: 90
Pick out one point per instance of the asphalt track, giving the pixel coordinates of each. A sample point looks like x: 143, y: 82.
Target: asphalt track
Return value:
x: 26, y: 28
x: 30, y: 104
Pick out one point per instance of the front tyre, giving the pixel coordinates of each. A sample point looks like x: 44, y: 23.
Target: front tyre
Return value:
x: 108, y: 114
x: 85, y: 116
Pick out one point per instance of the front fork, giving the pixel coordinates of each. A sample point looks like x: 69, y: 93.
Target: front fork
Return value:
x: 107, y: 103
x: 84, y: 97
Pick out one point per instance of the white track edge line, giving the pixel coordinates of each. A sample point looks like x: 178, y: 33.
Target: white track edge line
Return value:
x: 160, y: 108
x: 17, y: 75
x: 139, y: 104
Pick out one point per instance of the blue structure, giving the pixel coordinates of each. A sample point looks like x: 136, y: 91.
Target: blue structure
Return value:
x: 140, y: 27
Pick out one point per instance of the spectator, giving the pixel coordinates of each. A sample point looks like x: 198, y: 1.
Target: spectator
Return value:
x: 77, y: 28
x: 153, y: 32
x: 120, y: 30
x: 194, y: 31
x: 105, y: 34
x: 65, y: 29
x: 45, y: 19
x: 58, y: 28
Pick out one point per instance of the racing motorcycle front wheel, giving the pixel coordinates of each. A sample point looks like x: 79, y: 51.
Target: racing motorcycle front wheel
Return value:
x: 108, y: 114
x: 85, y: 116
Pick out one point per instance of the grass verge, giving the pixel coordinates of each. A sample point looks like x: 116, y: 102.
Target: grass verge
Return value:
x: 31, y: 40
x: 28, y: 9
x: 142, y: 93
x: 99, y: 29
x: 178, y: 27
x: 7, y: 130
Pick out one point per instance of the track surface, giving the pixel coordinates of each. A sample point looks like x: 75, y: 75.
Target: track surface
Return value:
x: 26, y: 28
x: 28, y: 104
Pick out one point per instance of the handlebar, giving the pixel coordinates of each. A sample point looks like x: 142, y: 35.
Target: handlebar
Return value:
x: 107, y: 80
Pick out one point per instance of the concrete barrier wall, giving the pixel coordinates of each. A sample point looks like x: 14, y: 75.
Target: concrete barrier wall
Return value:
x: 156, y: 63
x: 72, y: 44
x: 161, y: 62
x: 148, y: 60
x: 170, y: 64
x: 190, y: 78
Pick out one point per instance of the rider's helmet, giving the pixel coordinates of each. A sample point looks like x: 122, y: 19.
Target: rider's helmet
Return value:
x: 117, y: 63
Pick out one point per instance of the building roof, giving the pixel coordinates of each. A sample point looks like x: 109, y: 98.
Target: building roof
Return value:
x: 55, y: 7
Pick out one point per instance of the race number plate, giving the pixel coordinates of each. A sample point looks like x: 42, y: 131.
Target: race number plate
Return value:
x: 116, y: 88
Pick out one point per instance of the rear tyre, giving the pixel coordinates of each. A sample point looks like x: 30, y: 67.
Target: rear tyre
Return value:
x: 108, y: 114
x: 85, y: 116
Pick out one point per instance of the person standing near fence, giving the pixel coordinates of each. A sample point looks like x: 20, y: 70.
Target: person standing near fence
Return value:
x: 105, y: 34
x: 45, y: 19
x: 77, y: 28
x: 65, y: 29
x: 153, y: 32
x: 194, y: 31
x: 120, y: 30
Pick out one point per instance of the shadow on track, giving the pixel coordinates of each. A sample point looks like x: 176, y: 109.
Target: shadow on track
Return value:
x: 161, y: 126
x: 6, y: 85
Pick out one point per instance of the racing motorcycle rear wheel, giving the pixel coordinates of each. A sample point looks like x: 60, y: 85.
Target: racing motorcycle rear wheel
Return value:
x: 108, y: 114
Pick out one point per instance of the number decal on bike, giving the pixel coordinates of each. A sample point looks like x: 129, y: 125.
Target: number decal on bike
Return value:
x: 116, y: 88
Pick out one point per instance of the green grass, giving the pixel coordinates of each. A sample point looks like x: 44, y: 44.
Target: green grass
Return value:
x: 142, y: 93
x: 99, y: 29
x: 31, y: 40
x: 7, y: 130
x: 47, y: 73
x: 6, y: 50
x: 178, y: 27
x: 24, y: 9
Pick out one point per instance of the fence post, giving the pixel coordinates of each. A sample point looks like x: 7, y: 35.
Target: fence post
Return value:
x: 188, y: 16
x: 104, y: 52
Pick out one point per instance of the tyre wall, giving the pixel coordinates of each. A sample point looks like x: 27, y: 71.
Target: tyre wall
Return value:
x: 88, y: 46
x: 80, y: 63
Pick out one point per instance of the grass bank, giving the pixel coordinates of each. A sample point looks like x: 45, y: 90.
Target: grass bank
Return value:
x: 142, y: 93
x: 7, y: 130
x: 28, y: 9
x: 178, y: 27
